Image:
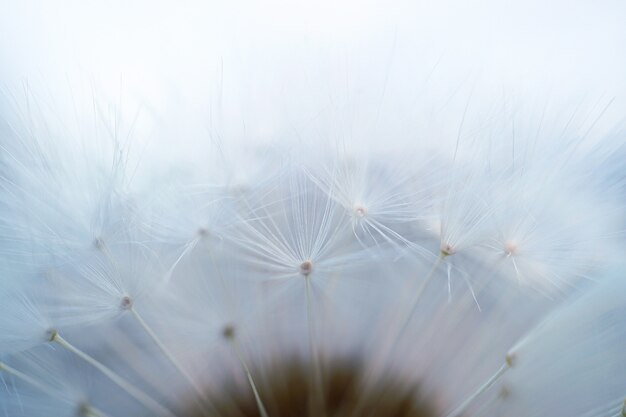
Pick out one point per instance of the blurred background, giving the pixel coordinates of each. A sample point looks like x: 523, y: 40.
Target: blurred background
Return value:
x: 239, y: 57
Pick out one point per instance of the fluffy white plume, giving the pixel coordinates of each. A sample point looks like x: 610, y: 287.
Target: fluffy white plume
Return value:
x: 261, y: 186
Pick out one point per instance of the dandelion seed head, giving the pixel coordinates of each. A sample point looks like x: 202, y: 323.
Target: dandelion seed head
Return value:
x: 201, y: 271
x: 155, y: 229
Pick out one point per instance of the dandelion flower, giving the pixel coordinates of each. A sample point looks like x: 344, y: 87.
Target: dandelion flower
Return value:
x: 296, y: 231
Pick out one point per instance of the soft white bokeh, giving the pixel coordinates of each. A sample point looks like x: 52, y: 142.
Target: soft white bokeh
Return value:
x: 255, y: 54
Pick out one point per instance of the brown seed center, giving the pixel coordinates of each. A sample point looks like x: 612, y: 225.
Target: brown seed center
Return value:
x: 287, y: 390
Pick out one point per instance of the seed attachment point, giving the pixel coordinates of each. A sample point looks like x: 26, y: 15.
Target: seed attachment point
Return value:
x: 504, y: 392
x: 511, y: 359
x: 126, y: 303
x: 360, y: 211
x: 52, y: 335
x: 306, y: 267
x: 98, y: 243
x: 229, y: 332
x: 84, y: 410
x: 447, y: 250
x: 510, y: 248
